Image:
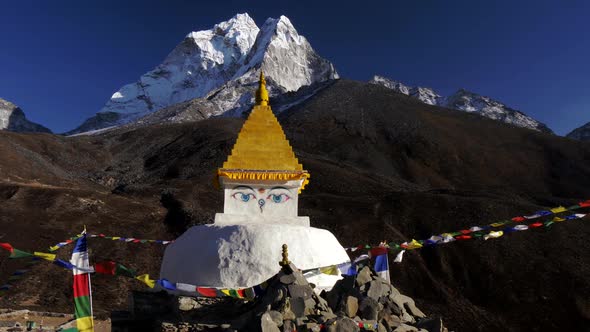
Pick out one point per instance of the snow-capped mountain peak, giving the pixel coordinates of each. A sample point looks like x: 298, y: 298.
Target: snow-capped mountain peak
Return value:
x: 425, y: 95
x: 220, y: 64
x: 12, y: 118
x: 467, y: 101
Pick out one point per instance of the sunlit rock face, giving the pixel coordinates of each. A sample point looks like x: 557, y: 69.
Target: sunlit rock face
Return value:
x: 261, y: 181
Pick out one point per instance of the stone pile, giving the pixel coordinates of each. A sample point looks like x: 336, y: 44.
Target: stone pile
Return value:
x: 364, y: 302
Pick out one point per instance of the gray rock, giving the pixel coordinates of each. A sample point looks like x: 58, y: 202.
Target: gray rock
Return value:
x: 288, y: 326
x: 287, y: 279
x: 411, y: 306
x: 302, y: 291
x: 187, y: 303
x: 310, y: 306
x: 276, y: 317
x: 327, y: 315
x: 364, y: 276
x: 352, y: 306
x: 369, y: 309
x: 301, y: 321
x: 267, y: 324
x: 376, y: 290
x: 297, y: 305
x: 344, y: 325
x: 313, y: 327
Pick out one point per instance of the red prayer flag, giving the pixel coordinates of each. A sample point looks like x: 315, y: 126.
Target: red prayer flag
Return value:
x: 465, y: 231
x: 584, y: 204
x: 107, y: 267
x: 377, y: 251
x: 518, y: 219
x: 208, y: 292
x: 81, y: 285
x: 537, y: 224
x: 136, y: 241
x: 463, y: 237
x: 7, y: 246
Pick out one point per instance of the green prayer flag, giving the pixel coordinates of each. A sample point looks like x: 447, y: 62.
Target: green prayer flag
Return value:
x: 121, y: 270
x: 82, y: 306
x: 549, y: 223
x: 574, y: 207
x: 19, y: 254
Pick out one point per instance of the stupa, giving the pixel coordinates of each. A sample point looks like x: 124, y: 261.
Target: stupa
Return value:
x: 261, y: 180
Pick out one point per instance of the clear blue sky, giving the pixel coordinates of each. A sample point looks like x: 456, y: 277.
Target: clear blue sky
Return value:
x: 62, y: 60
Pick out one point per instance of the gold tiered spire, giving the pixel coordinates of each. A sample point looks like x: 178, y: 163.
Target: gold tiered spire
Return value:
x: 261, y: 93
x: 262, y: 152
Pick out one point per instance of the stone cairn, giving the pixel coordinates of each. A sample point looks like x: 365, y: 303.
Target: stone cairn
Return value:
x: 364, y: 302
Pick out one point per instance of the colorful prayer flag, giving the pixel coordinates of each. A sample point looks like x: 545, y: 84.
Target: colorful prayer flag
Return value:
x: 82, y: 294
x: 382, y: 266
x: 145, y: 278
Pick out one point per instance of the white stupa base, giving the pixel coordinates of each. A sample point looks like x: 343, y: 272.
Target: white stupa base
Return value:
x: 239, y: 256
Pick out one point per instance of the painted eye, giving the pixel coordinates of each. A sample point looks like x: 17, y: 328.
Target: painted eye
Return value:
x: 280, y: 198
x: 243, y: 196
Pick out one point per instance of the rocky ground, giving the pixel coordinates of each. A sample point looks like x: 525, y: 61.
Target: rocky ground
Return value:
x: 383, y: 167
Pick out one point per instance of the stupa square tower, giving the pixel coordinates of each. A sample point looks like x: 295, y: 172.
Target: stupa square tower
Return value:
x: 261, y: 180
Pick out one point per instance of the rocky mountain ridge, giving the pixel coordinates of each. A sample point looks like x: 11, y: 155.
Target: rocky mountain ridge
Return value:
x: 581, y: 133
x: 220, y: 65
x: 467, y: 101
x: 12, y: 118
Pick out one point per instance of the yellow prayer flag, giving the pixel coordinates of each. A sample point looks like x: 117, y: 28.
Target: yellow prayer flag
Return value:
x: 414, y: 245
x: 49, y: 257
x: 331, y: 270
x: 85, y: 324
x: 558, y: 209
x: 116, y: 238
x: 145, y: 278
x: 557, y: 219
x: 493, y: 235
x: 498, y: 224
x: 53, y: 248
x: 225, y: 291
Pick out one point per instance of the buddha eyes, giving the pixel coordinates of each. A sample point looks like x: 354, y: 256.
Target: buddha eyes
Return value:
x: 244, y: 197
x: 275, y: 198
x: 280, y: 198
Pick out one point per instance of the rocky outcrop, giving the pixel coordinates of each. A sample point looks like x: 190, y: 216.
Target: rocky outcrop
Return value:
x: 12, y: 118
x: 361, y: 302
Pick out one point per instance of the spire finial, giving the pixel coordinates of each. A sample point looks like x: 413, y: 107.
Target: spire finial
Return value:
x: 285, y: 262
x: 261, y: 93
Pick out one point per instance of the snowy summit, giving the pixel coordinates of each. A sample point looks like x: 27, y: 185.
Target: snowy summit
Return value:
x: 467, y: 101
x: 220, y: 64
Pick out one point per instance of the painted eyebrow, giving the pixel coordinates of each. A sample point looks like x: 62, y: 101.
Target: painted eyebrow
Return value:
x: 273, y: 188
x: 243, y: 187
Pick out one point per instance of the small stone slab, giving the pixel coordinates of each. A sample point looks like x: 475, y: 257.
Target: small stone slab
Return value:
x: 352, y: 306
x: 267, y: 324
x: 364, y: 276
x: 301, y: 291
x: 287, y: 279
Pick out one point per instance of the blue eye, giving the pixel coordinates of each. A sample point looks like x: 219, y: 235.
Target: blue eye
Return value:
x: 244, y: 197
x: 281, y: 198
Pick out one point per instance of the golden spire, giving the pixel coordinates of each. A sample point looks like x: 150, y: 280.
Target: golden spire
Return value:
x: 261, y: 93
x: 262, y: 152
